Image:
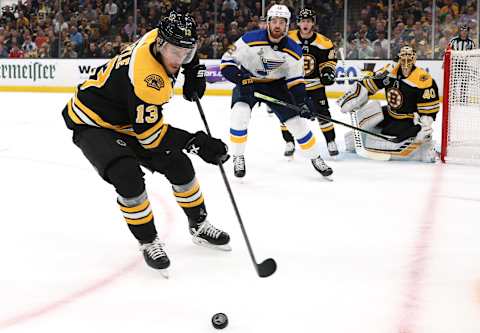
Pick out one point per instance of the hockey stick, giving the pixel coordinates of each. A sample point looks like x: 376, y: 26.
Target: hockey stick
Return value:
x: 377, y: 75
x: 296, y: 108
x: 341, y: 78
x: 268, y: 266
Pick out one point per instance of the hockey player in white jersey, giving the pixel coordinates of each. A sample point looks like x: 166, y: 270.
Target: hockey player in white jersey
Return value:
x: 270, y: 62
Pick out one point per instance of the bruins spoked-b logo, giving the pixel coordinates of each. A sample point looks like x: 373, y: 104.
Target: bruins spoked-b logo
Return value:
x: 395, y: 98
x: 308, y: 64
x: 154, y: 81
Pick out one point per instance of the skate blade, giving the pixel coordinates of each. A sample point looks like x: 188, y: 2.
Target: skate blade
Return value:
x: 328, y: 178
x: 289, y: 158
x: 333, y: 154
x: 334, y: 157
x: 164, y: 273
x: 201, y: 242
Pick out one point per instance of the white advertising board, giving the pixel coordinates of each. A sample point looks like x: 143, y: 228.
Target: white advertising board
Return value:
x: 64, y: 74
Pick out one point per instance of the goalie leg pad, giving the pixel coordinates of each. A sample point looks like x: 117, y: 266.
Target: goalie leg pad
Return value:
x: 353, y: 99
x: 298, y: 127
x: 372, y: 142
x: 369, y: 115
x: 239, y: 120
x: 349, y: 142
x: 359, y: 138
x: 416, y: 151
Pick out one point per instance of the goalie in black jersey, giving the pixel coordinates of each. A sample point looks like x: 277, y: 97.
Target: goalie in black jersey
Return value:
x: 319, y: 64
x: 413, y: 103
x: 116, y: 119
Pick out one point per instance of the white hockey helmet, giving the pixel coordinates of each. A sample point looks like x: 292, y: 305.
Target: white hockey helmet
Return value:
x: 279, y: 11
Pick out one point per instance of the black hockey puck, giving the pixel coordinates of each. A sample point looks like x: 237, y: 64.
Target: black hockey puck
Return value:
x: 219, y: 321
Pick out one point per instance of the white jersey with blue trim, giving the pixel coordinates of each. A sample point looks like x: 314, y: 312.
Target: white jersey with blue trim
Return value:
x: 265, y: 60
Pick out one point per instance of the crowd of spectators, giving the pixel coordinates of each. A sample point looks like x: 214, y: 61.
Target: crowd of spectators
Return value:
x: 411, y: 24
x: 100, y: 28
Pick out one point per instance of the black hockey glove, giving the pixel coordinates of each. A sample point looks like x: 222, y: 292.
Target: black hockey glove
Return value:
x: 194, y: 82
x: 327, y: 76
x: 209, y: 149
x: 246, y: 85
x: 305, y: 111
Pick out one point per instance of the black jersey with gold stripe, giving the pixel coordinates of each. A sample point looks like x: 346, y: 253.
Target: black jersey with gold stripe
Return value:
x: 406, y: 95
x: 318, y: 52
x: 126, y: 95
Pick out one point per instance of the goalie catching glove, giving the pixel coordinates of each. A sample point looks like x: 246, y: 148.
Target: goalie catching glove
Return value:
x: 426, y: 130
x: 209, y: 149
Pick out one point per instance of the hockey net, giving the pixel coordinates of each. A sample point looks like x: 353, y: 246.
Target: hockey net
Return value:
x: 461, y: 107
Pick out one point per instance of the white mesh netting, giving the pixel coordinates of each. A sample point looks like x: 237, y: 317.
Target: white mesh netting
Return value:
x: 462, y: 143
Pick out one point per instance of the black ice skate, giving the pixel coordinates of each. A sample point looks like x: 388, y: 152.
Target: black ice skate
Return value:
x: 205, y: 234
x: 239, y: 166
x: 320, y: 165
x: 332, y: 148
x: 155, y: 256
x: 289, y: 149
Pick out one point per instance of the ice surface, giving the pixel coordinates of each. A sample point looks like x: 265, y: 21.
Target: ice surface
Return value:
x: 386, y: 246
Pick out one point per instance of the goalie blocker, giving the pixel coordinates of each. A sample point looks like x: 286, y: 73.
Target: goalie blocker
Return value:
x: 412, y: 97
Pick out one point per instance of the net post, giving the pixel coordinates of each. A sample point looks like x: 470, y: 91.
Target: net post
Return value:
x: 445, y: 108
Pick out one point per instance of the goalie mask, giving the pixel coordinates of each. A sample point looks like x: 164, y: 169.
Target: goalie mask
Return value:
x: 407, y: 58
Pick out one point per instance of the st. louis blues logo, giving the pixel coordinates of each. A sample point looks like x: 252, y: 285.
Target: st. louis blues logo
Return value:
x: 269, y: 65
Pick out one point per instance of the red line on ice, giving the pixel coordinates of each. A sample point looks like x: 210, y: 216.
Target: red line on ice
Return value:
x: 419, y: 258
x: 95, y: 286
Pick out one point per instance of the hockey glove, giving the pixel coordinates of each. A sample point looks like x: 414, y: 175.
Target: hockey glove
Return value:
x: 327, y: 76
x: 305, y: 111
x: 195, y: 82
x: 209, y: 149
x: 246, y: 85
x: 425, y: 124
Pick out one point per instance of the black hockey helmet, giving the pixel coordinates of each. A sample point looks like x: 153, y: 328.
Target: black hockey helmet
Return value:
x: 464, y: 27
x: 178, y: 29
x: 306, y: 13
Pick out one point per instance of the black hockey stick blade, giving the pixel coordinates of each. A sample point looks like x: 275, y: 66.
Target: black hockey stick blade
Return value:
x: 266, y: 268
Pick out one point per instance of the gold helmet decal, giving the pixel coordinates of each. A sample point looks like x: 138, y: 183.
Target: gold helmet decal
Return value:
x: 407, y: 58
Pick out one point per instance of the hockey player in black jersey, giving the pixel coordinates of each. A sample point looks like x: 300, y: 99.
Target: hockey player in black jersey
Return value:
x: 116, y: 119
x: 319, y: 63
x: 413, y: 103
